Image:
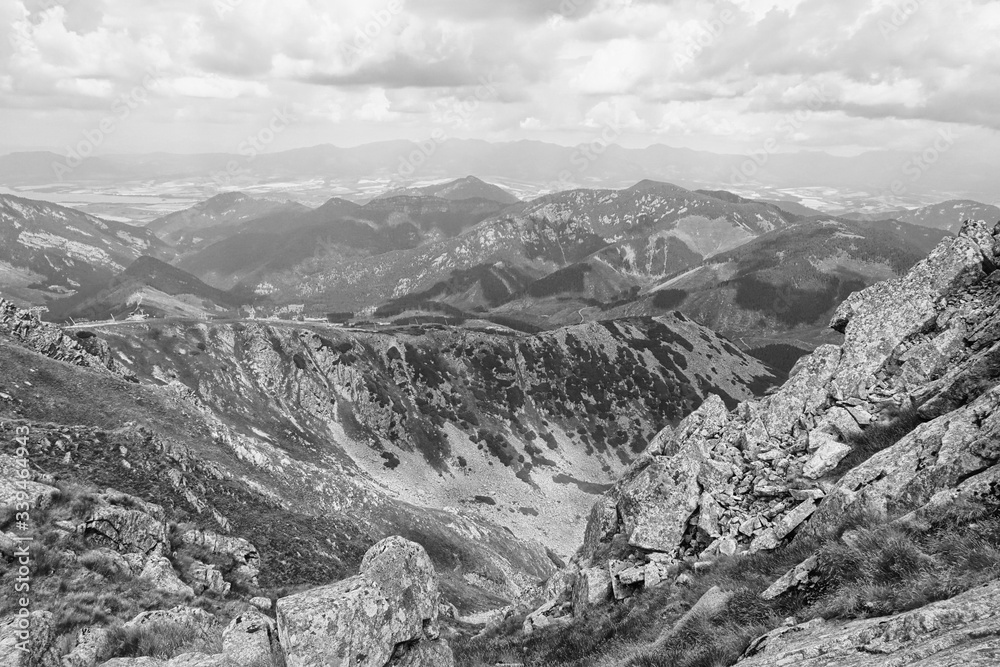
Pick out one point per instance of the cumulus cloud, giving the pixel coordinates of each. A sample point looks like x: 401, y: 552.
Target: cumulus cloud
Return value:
x: 674, y: 69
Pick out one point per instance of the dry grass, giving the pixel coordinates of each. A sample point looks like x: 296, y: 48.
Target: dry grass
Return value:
x: 878, y: 437
x: 160, y: 640
x: 867, y: 567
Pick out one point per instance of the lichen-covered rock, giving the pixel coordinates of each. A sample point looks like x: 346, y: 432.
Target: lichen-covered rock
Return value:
x: 794, y: 578
x: 127, y: 530
x: 593, y: 586
x: 829, y: 452
x: 206, y: 578
x: 709, y: 605
x: 385, y: 612
x: 28, y: 640
x: 29, y: 331
x: 161, y: 574
x: 657, y: 503
x: 252, y: 639
x: 961, y: 632
x: 90, y: 645
x: 262, y: 603
x: 954, y: 453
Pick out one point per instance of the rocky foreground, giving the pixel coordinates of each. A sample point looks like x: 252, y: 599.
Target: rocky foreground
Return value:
x: 899, y: 423
x: 387, y: 615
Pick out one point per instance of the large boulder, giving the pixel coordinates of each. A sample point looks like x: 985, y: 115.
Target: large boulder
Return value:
x: 593, y: 587
x: 127, y: 530
x: 159, y: 572
x: 657, y: 503
x: 387, y: 614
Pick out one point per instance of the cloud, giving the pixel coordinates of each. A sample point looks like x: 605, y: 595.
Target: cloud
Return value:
x: 677, y: 69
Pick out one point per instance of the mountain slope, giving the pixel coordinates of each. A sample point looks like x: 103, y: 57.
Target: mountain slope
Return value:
x: 217, y: 217
x: 519, y: 429
x: 543, y: 236
x: 47, y: 250
x: 153, y: 287
x: 310, y: 511
x: 950, y: 215
x: 336, y: 232
x: 789, y: 280
x: 469, y: 187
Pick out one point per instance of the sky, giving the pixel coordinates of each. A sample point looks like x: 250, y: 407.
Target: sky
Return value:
x: 185, y: 76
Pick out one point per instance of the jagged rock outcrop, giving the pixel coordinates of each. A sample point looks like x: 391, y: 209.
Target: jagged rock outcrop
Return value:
x: 961, y: 632
x: 386, y: 615
x: 921, y: 352
x: 244, y: 555
x: 127, y: 530
x: 28, y: 330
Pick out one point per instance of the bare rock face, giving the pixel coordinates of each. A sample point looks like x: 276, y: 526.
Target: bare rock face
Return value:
x: 386, y: 615
x: 963, y: 631
x: 28, y: 641
x: 161, y: 574
x: 921, y: 355
x: 593, y: 586
x: 28, y: 330
x: 252, y: 639
x: 206, y: 578
x: 127, y: 530
x: 657, y: 503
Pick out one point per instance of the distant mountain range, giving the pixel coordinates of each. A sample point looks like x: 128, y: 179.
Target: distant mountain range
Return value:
x: 536, y: 166
x: 219, y: 217
x: 467, y: 249
x: 48, y: 251
x: 154, y: 289
x: 469, y: 187
x: 650, y: 230
x: 948, y: 215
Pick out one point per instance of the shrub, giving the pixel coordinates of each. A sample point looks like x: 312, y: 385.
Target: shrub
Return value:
x: 162, y: 640
x: 669, y: 299
x: 102, y: 564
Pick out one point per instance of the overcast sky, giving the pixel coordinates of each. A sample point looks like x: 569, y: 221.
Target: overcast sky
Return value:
x: 837, y: 75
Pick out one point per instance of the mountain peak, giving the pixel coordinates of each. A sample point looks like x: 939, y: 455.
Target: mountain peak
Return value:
x: 659, y: 187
